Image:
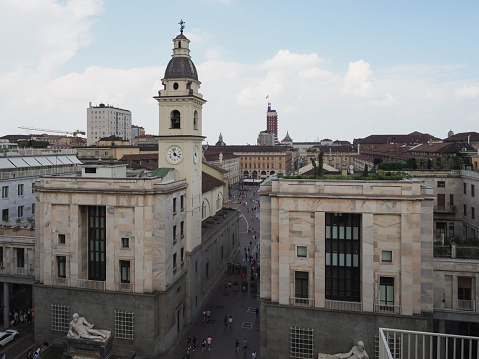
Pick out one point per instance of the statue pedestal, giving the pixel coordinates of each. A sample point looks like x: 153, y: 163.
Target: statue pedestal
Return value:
x: 87, y: 348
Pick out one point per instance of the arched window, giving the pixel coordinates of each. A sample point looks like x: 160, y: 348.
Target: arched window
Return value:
x: 175, y: 119
x: 255, y: 174
x: 195, y: 120
x: 179, y: 44
x: 271, y: 173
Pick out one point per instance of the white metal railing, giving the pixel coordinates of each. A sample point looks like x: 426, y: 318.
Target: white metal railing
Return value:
x: 60, y: 169
x: 466, y: 305
x: 388, y: 309
x: 342, y: 305
x: 406, y: 344
x: 90, y: 284
x: 301, y: 302
x: 125, y: 287
x: 61, y: 282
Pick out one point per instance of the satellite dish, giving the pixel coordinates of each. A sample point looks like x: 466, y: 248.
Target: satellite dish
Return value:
x: 351, y: 167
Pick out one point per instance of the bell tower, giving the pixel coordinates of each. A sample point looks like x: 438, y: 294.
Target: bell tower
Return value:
x: 180, y: 135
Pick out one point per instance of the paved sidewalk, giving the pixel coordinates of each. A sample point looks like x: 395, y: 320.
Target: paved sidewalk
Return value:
x: 240, y: 305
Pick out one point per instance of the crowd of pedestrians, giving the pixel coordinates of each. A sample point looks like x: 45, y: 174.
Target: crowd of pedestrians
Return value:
x: 21, y: 317
x: 250, y: 244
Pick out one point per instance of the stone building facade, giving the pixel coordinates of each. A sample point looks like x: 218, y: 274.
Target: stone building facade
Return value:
x: 343, y: 254
x: 136, y: 254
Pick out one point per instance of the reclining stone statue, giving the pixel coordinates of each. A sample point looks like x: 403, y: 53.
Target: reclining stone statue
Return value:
x: 80, y: 328
x: 356, y: 352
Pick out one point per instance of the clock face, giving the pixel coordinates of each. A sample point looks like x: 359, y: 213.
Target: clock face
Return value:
x: 195, y: 154
x: 174, y: 155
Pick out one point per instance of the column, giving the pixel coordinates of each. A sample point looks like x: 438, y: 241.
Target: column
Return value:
x: 6, y: 305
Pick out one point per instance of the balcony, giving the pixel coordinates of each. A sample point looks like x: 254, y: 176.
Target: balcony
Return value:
x: 342, y: 305
x: 453, y: 251
x: 405, y: 344
x: 301, y: 302
x: 125, y: 287
x: 445, y: 209
x: 387, y: 309
x: 469, y: 305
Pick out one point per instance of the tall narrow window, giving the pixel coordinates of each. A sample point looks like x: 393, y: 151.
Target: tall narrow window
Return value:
x: 386, y: 291
x: 451, y: 199
x: 97, y: 243
x: 174, y: 234
x: 182, y: 202
x: 473, y: 190
x: 174, y: 205
x: 301, y: 284
x: 125, y: 271
x: 175, y: 119
x: 195, y: 120
x: 20, y: 211
x: 62, y: 266
x: 182, y: 229
x: 20, y: 189
x: 464, y: 293
x: 5, y: 192
x: 343, y: 256
x: 20, y: 257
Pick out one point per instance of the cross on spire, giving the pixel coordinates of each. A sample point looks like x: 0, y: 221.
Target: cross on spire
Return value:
x: 182, y: 25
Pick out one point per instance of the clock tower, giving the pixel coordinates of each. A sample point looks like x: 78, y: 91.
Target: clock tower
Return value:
x: 180, y: 135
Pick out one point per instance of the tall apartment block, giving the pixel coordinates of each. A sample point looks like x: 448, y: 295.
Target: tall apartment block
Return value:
x: 105, y: 121
x: 272, y: 120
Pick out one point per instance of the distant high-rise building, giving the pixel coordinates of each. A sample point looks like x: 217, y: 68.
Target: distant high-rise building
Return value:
x: 105, y: 120
x: 272, y: 120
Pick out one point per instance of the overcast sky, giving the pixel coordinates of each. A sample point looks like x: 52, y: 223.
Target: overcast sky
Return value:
x: 332, y: 69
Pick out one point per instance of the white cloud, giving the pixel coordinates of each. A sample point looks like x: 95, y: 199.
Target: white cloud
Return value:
x: 357, y: 80
x: 468, y: 92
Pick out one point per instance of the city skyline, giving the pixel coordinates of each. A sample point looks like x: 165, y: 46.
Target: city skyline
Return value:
x: 336, y: 70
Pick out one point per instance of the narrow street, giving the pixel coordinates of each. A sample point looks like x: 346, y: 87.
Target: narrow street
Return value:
x: 225, y: 302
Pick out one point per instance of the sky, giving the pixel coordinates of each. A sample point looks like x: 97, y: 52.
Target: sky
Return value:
x: 332, y: 69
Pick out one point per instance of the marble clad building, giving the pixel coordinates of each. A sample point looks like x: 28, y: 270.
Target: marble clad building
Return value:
x: 136, y: 255
x: 343, y: 254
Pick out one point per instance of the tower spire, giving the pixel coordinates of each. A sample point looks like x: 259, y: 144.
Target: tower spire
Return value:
x: 182, y: 25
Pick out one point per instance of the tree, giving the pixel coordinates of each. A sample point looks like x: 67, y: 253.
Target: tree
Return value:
x: 411, y: 163
x: 366, y: 170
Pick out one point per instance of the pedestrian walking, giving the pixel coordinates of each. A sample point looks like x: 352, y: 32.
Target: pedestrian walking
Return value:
x: 194, y: 343
x: 204, y: 315
x: 231, y: 321
x: 188, y: 355
x: 253, y: 355
x: 245, y: 345
x: 237, y: 346
x: 208, y: 341
x: 188, y: 342
x: 208, y: 315
x: 203, y: 345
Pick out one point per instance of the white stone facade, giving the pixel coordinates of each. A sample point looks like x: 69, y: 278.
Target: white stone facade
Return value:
x: 105, y: 121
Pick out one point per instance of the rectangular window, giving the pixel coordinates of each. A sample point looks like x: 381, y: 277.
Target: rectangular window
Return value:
x: 62, y: 266
x: 20, y: 257
x: 20, y: 189
x: 5, y: 217
x: 124, y: 325
x: 97, y: 243
x: 387, y: 256
x: 174, y: 262
x: 473, y: 213
x: 465, y: 188
x: 342, y: 243
x: 386, y: 291
x: 182, y: 229
x: 441, y: 183
x: 182, y: 202
x: 441, y: 200
x: 301, y: 343
x: 182, y: 256
x: 60, y: 318
x: 61, y: 238
x: 33, y: 187
x: 5, y: 192
x: 174, y: 234
x: 20, y: 211
x: 207, y: 269
x: 125, y: 242
x: 301, y: 251
x: 473, y: 190
x: 301, y: 284
x: 451, y: 199
x: 465, y: 210
x: 451, y: 229
x: 464, y: 293
x: 174, y: 205
x: 125, y: 271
